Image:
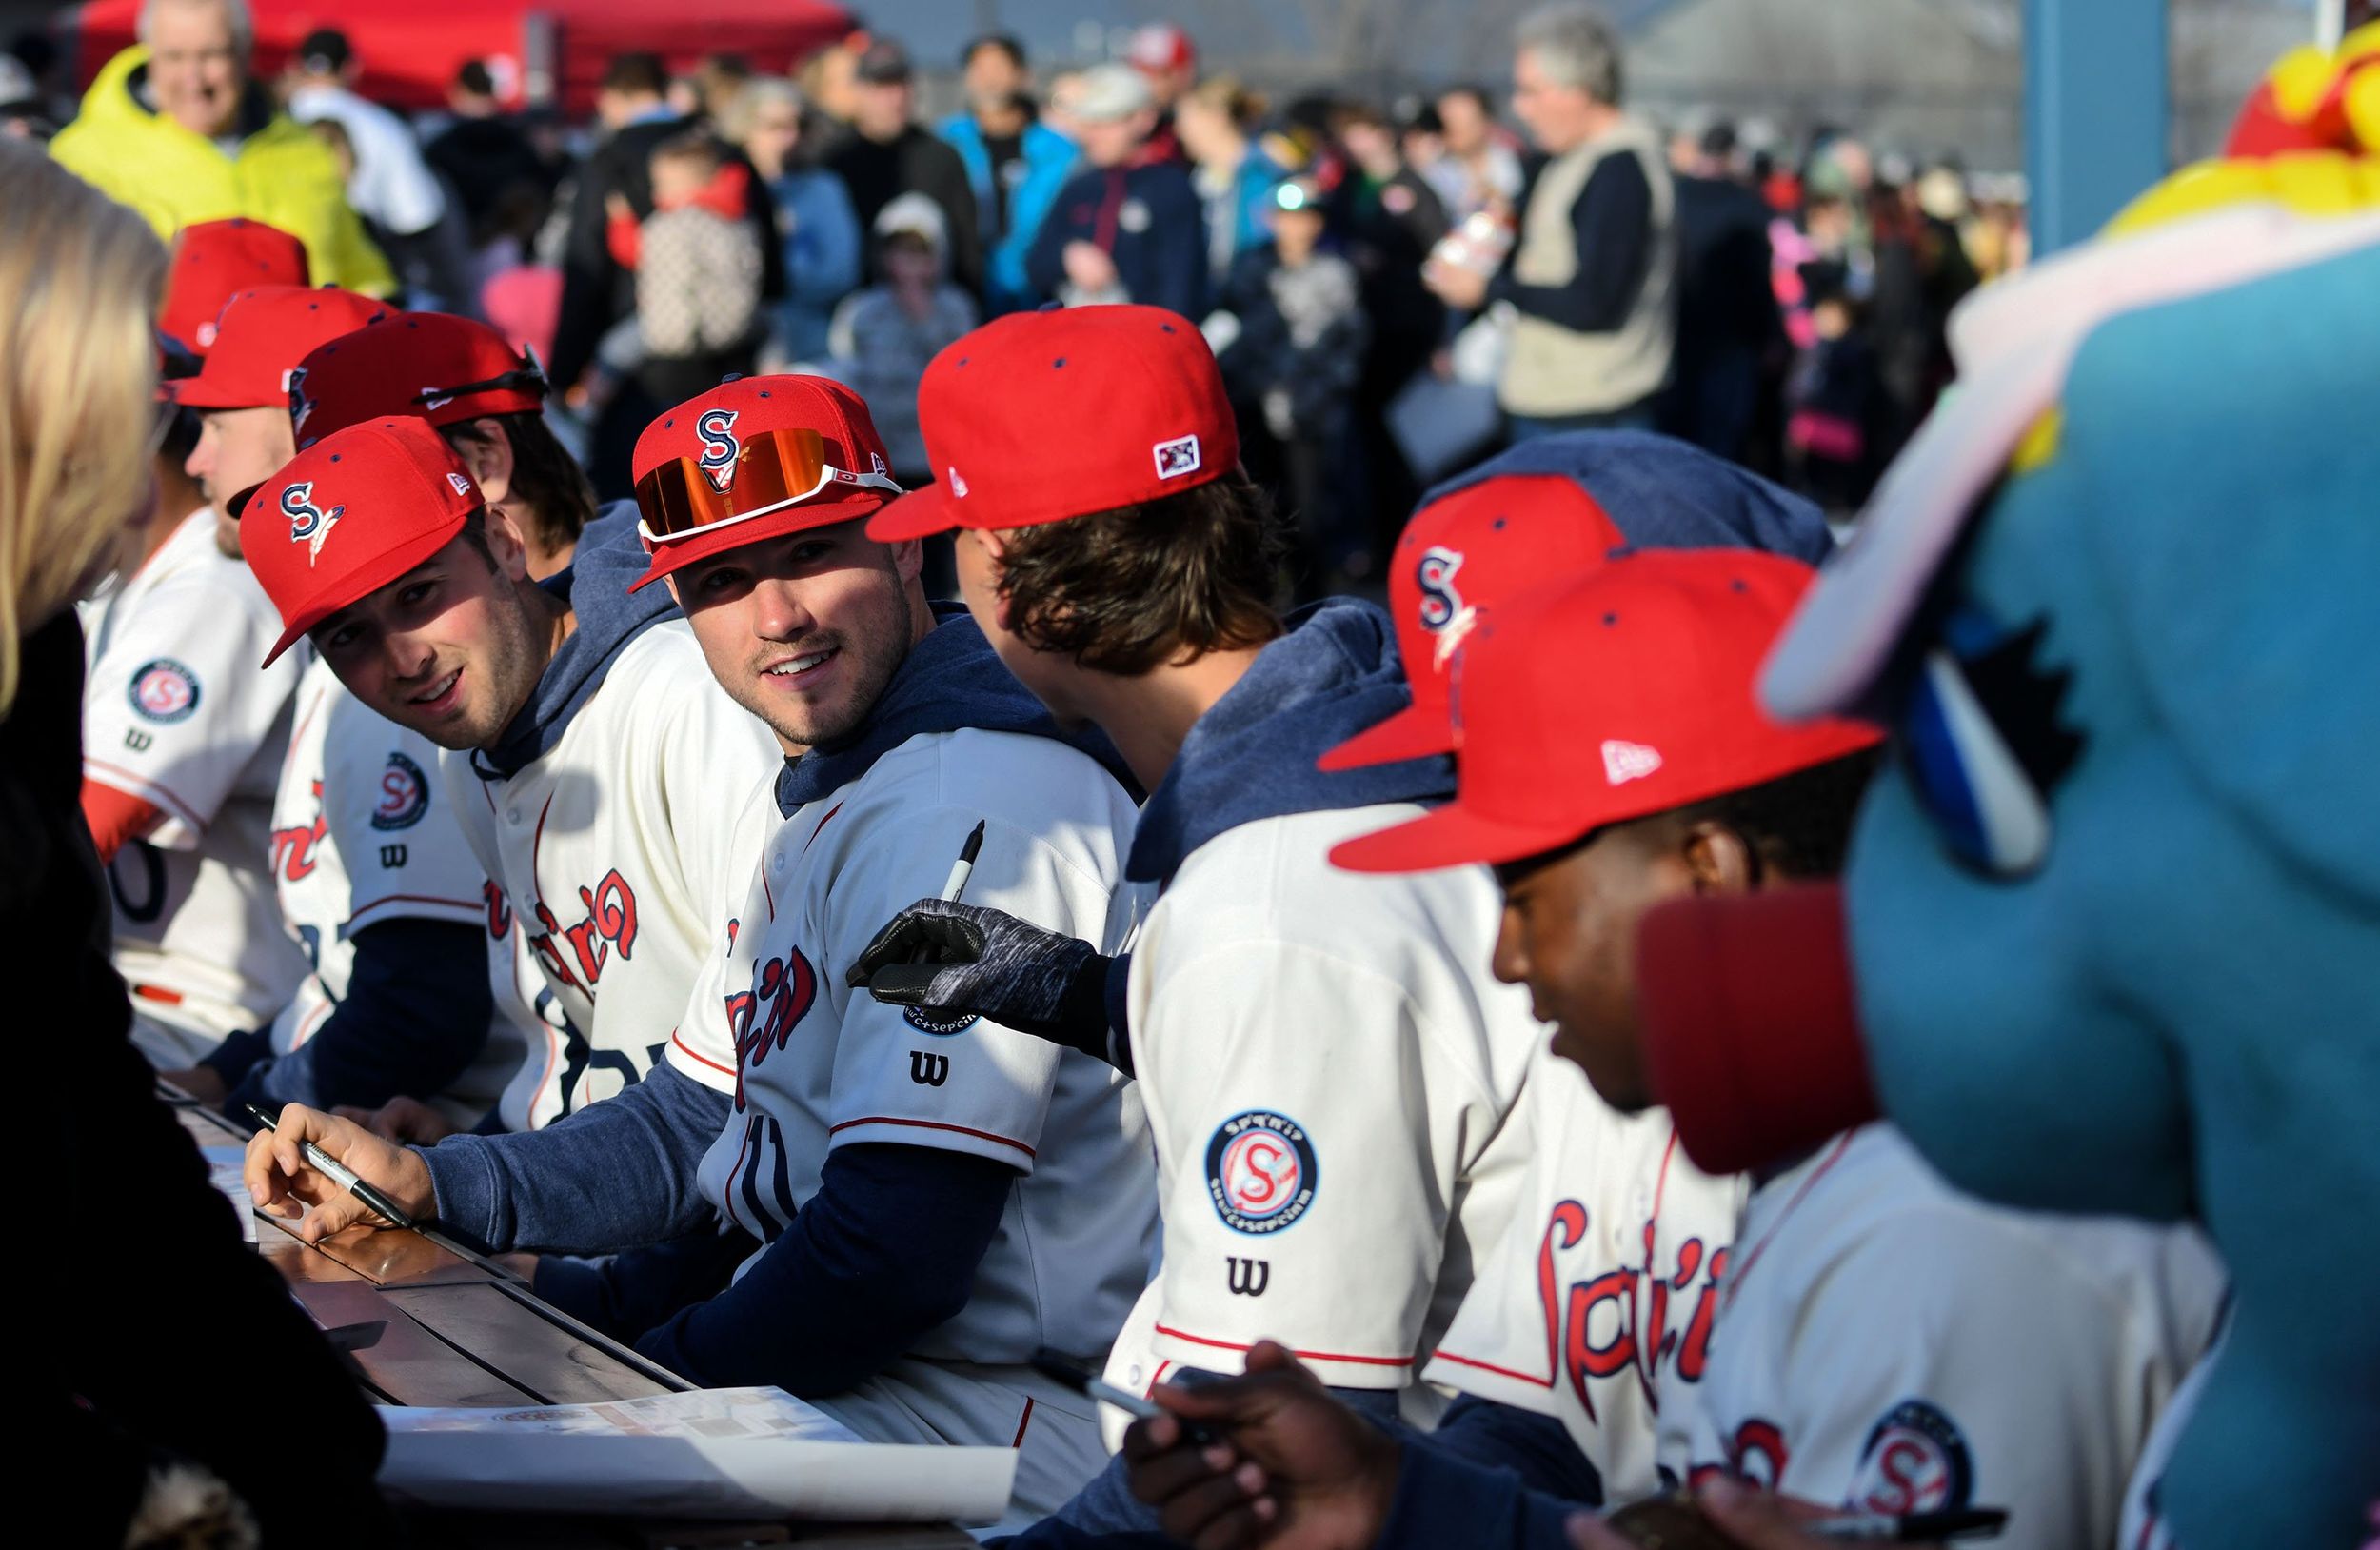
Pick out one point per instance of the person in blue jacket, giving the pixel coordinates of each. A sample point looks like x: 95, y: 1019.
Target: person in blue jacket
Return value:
x: 1129, y: 227
x: 1015, y: 163
x: 816, y: 229
x: 1234, y: 177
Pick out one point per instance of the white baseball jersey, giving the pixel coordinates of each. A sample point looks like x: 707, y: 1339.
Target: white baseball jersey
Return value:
x: 364, y: 830
x: 1890, y: 1345
x: 1598, y: 1305
x: 176, y: 713
x: 614, y: 852
x: 1334, y: 1080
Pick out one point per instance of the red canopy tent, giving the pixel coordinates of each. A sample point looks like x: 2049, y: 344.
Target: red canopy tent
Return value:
x: 539, y: 50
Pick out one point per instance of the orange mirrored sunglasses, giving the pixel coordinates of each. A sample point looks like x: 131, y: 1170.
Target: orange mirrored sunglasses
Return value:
x: 738, y: 476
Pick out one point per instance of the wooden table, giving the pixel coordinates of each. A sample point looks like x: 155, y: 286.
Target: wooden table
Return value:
x: 424, y: 1320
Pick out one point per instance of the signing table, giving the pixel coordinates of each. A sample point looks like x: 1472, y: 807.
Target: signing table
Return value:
x: 423, y: 1320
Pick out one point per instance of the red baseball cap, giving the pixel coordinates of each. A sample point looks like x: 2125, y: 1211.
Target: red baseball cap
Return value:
x: 262, y: 334
x: 350, y: 514
x: 755, y: 458
x: 214, y: 261
x: 1621, y: 694
x: 443, y: 368
x: 1160, y: 48
x: 1463, y: 553
x: 1040, y: 416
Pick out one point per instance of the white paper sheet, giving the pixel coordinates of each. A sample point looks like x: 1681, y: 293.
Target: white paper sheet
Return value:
x: 714, y: 1453
x: 225, y: 1166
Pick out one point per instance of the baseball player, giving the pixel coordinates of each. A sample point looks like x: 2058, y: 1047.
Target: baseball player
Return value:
x: 851, y: 1121
x: 1133, y: 590
x: 1917, y: 1351
x: 182, y: 735
x: 373, y: 875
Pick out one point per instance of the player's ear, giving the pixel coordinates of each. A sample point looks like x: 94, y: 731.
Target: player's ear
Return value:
x: 1718, y: 859
x: 487, y: 452
x: 507, y: 550
x: 908, y: 558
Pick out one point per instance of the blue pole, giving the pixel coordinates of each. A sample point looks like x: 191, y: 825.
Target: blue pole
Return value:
x: 2095, y: 111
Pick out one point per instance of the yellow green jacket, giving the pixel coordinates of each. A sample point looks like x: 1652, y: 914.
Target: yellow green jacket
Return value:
x: 281, y: 174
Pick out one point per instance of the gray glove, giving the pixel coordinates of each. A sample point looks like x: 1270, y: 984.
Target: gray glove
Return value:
x: 957, y: 960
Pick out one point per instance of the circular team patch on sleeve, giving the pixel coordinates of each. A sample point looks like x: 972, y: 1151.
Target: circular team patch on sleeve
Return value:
x: 404, y: 794
x: 1261, y: 1172
x: 926, y: 1020
x: 1916, y: 1461
x: 165, y: 691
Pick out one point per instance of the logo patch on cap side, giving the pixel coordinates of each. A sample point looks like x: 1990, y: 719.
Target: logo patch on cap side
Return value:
x: 1177, y: 457
x: 461, y: 485
x: 720, y: 447
x: 958, y: 486
x: 1625, y: 762
x: 300, y: 405
x: 308, y: 524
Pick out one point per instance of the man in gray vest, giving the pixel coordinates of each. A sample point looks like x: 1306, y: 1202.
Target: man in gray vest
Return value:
x: 1591, y: 275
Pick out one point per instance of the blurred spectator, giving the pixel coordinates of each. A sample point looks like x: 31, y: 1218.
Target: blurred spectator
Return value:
x: 1163, y: 54
x: 1233, y: 176
x: 816, y: 230
x: 23, y: 114
x: 597, y: 290
x: 1422, y: 142
x: 390, y: 185
x: 1481, y: 170
x: 720, y: 80
x: 883, y: 336
x: 485, y: 154
x: 1129, y: 227
x: 1592, y: 277
x: 1065, y: 90
x: 1731, y: 338
x: 698, y: 269
x: 1834, y: 403
x: 1291, y: 364
x: 175, y: 128
x: 888, y: 153
x: 829, y: 80
x: 1015, y: 164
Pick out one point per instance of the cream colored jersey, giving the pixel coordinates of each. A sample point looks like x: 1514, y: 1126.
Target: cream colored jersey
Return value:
x: 1333, y: 1082
x: 1887, y: 1343
x: 364, y: 830
x: 614, y: 853
x: 1596, y: 1306
x: 177, y: 713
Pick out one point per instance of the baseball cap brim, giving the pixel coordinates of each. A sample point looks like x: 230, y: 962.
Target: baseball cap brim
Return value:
x: 198, y: 393
x: 365, y: 579
x: 1414, y: 732
x: 921, y: 513
x: 702, y: 542
x: 1452, y: 836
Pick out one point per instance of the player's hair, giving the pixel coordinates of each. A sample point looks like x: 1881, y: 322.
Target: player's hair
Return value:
x: 1127, y: 590
x: 80, y: 278
x: 1575, y: 46
x: 234, y: 11
x: 1799, y: 825
x: 546, y: 478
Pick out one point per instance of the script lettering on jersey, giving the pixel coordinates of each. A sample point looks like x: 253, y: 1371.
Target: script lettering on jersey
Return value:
x: 293, y: 848
x: 1627, y: 1316
x: 760, y: 1019
x: 608, y: 926
x: 499, y: 911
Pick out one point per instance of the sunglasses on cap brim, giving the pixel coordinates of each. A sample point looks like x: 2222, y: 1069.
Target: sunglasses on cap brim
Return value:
x: 767, y: 471
x: 528, y: 377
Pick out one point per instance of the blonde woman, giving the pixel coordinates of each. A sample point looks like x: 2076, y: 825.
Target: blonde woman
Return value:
x: 174, y: 1382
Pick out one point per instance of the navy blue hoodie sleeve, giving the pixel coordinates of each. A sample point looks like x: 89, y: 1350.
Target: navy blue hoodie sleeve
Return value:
x: 1506, y: 1437
x: 410, y: 1025
x: 1444, y: 1500
x: 1175, y: 248
x: 615, y: 1175
x: 855, y: 1262
x: 1612, y: 225
x: 625, y: 1294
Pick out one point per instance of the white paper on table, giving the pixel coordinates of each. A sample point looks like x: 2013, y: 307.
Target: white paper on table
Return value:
x: 715, y: 1453
x: 224, y: 1167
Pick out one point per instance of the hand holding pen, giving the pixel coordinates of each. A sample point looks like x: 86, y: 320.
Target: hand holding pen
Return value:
x: 334, y: 1174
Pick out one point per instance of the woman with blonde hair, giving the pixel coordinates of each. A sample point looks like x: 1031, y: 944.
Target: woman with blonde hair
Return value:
x: 175, y: 1383
x: 1216, y: 121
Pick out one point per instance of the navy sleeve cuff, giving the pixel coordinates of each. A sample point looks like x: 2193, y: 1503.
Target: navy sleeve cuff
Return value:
x: 1442, y: 1499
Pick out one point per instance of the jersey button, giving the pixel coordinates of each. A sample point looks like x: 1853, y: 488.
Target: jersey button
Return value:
x: 512, y: 815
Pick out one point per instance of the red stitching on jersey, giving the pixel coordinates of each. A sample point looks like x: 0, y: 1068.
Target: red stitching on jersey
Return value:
x: 1310, y: 1356
x: 727, y: 1191
x: 679, y: 1040
x: 182, y: 809
x: 469, y: 906
x: 1023, y: 1422
x: 932, y: 1125
x: 1743, y: 1267
x: 1530, y: 1378
x: 289, y: 757
x: 553, y: 1049
x: 768, y: 893
x: 821, y: 824
x: 1162, y: 1368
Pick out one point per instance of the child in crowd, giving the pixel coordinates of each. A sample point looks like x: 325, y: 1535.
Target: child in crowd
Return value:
x: 697, y: 271
x: 883, y: 336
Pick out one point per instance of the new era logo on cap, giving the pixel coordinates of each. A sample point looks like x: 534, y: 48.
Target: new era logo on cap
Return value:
x: 1624, y: 762
x: 1177, y: 457
x: 461, y: 485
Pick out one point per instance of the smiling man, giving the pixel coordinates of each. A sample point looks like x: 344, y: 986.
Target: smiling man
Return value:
x: 850, y: 1122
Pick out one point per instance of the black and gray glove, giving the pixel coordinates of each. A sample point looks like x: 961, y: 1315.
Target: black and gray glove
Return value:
x: 959, y: 959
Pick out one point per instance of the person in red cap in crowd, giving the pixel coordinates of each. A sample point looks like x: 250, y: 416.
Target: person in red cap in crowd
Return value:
x: 214, y: 261
x: 1612, y: 756
x: 182, y: 735
x: 851, y: 1120
x: 1133, y: 591
x: 369, y: 865
x: 1163, y: 52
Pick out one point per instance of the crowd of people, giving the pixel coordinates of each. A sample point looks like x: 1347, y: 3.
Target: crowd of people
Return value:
x: 500, y: 656
x: 1392, y: 288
